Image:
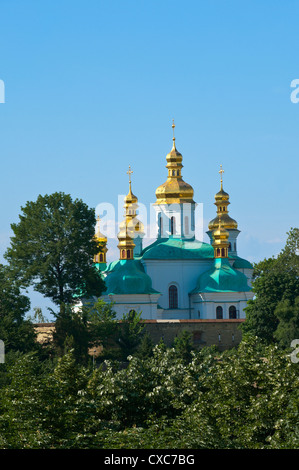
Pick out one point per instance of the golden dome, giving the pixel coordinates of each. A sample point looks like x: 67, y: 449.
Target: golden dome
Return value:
x: 175, y: 190
x: 101, y: 239
x: 222, y: 203
x: 228, y: 222
x: 130, y: 227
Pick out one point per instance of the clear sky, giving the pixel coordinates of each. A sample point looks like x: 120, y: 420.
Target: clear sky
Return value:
x: 92, y: 86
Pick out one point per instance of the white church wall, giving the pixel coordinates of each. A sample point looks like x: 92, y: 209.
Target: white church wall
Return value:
x: 207, y: 303
x: 146, y: 304
x: 182, y: 273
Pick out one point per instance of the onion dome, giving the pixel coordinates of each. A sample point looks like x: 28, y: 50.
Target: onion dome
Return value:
x: 222, y: 278
x: 128, y: 277
x: 175, y: 190
x: 101, y: 239
x: 222, y: 202
x: 130, y: 227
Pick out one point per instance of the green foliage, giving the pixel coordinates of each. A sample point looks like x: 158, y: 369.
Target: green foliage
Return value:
x: 53, y: 248
x: 15, y: 330
x: 103, y: 326
x: 287, y: 313
x: 276, y: 284
x: 71, y: 332
x: 130, y: 334
x: 146, y: 346
x: 246, y: 398
x: 184, y: 346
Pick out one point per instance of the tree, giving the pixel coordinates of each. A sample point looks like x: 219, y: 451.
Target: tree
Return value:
x: 146, y: 346
x: 16, y: 331
x: 131, y: 329
x: 183, y: 345
x: 288, y: 326
x: 71, y: 332
x: 53, y: 248
x: 275, y: 280
x: 102, y: 325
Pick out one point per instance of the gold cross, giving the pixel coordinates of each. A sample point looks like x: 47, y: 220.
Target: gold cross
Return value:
x: 129, y: 172
x: 221, y: 173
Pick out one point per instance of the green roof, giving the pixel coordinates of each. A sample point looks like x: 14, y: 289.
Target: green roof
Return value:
x: 128, y: 277
x: 100, y: 266
x: 242, y: 263
x: 221, y: 278
x: 177, y: 248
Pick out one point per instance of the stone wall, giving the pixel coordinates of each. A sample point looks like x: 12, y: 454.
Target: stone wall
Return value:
x: 225, y: 334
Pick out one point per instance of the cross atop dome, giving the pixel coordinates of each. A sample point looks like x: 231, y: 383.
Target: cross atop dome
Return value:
x: 221, y: 171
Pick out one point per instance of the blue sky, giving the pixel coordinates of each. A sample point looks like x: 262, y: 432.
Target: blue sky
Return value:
x: 92, y: 87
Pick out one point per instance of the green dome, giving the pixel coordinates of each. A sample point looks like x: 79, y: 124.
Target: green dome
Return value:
x: 128, y: 277
x: 178, y: 248
x: 222, y: 278
x: 241, y: 263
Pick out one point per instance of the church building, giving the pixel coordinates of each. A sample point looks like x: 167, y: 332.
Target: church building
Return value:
x: 177, y: 276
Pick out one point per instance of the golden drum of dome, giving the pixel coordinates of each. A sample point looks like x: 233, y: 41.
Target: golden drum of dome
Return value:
x: 220, y: 234
x: 175, y: 190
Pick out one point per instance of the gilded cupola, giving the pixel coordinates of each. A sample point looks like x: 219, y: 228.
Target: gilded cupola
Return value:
x: 220, y: 240
x: 222, y: 203
x: 131, y: 230
x: 101, y: 239
x: 175, y: 190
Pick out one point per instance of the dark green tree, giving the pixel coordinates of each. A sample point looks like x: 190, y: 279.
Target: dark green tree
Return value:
x: 53, y: 247
x: 71, y: 332
x: 145, y: 348
x: 183, y: 345
x: 130, y: 334
x: 16, y: 331
x: 287, y: 314
x: 275, y: 280
x: 103, y: 327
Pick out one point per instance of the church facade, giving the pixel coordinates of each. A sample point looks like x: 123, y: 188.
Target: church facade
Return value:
x: 177, y: 277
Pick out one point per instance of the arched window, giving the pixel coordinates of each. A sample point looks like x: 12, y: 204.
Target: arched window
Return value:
x: 128, y: 254
x: 101, y: 257
x: 219, y: 312
x: 123, y: 254
x: 232, y: 312
x: 172, y: 225
x: 173, y: 297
